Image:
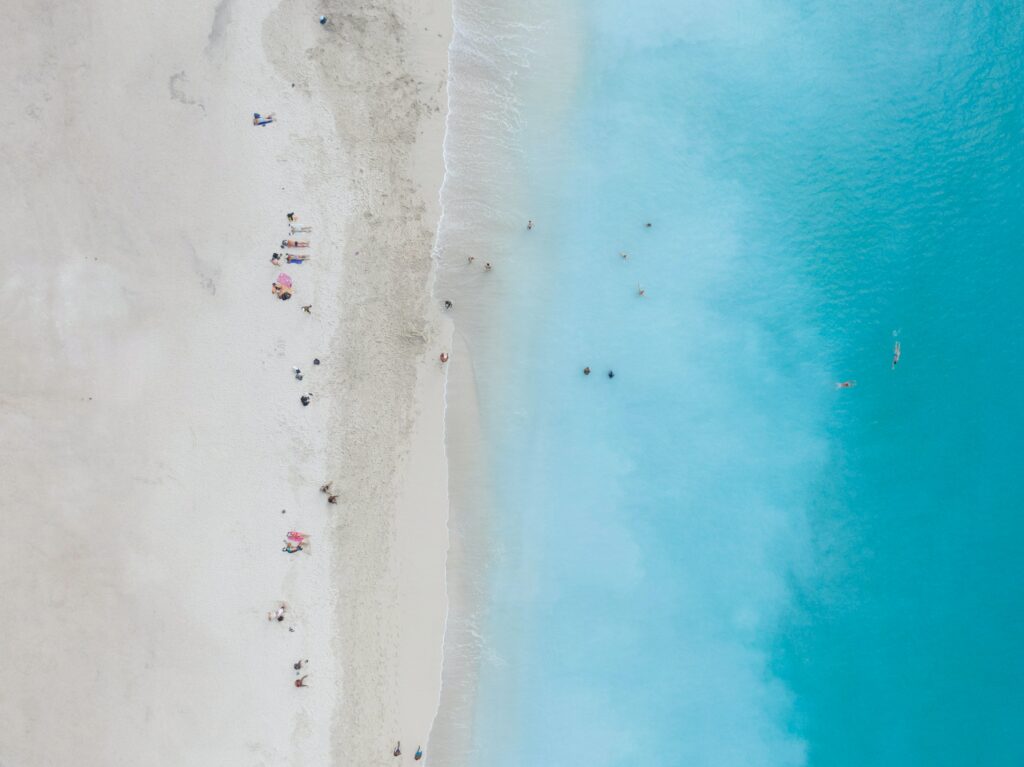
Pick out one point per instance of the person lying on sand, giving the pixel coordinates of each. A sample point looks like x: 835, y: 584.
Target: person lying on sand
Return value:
x: 292, y: 258
x: 258, y: 119
x: 278, y: 614
x: 297, y: 229
x: 290, y: 549
x: 294, y: 243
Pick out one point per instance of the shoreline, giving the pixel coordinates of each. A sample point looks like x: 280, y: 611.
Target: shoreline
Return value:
x: 384, y: 84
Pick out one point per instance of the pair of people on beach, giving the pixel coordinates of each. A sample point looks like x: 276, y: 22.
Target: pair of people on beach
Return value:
x: 398, y: 751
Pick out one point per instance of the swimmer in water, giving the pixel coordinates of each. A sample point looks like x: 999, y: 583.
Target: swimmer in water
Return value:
x: 895, y: 355
x: 846, y: 384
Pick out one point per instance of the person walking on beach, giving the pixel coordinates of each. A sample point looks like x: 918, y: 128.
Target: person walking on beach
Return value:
x: 301, y: 681
x: 444, y: 357
x: 419, y: 754
x: 306, y: 398
x: 307, y: 308
x: 325, y: 488
x: 398, y: 749
x: 448, y: 305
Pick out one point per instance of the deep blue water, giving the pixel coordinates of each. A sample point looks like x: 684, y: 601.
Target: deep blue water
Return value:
x: 716, y: 557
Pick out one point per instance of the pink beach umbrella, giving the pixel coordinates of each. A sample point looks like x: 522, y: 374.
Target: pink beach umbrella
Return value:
x: 284, y: 279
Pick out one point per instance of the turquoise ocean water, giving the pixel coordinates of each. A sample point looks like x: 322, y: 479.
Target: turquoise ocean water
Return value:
x: 716, y: 557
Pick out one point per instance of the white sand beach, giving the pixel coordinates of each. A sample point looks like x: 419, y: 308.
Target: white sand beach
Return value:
x: 154, y: 449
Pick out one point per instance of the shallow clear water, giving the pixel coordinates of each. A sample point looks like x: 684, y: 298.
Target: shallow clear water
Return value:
x: 716, y: 557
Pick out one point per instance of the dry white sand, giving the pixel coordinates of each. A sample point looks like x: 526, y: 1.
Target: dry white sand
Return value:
x: 150, y: 426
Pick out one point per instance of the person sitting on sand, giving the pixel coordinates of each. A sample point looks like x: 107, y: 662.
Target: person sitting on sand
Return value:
x: 258, y: 119
x: 306, y: 398
x: 298, y: 664
x: 294, y: 243
x: 277, y: 615
x: 301, y: 681
x: 276, y: 259
x: 326, y: 488
x: 332, y: 499
x: 281, y: 291
x: 292, y: 216
x: 293, y: 258
x: 444, y: 357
